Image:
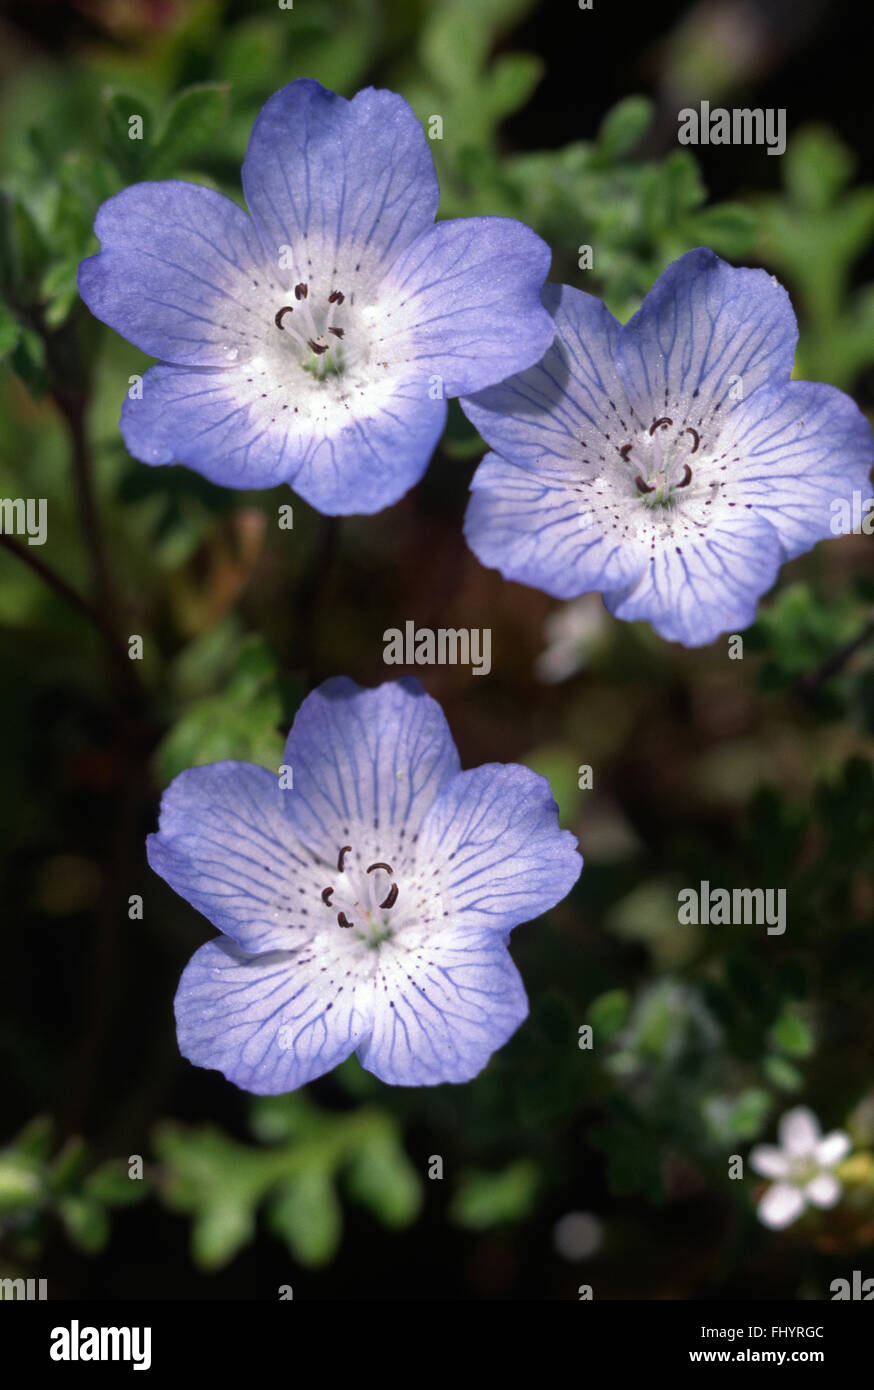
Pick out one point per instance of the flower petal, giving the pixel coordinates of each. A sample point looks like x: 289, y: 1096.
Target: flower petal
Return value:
x: 823, y: 1191
x: 444, y: 1006
x: 242, y: 429
x: 181, y: 274
x: 801, y: 449
x: 568, y: 413
x: 833, y: 1148
x: 799, y: 1132
x: 344, y: 184
x: 705, y: 330
x: 709, y: 584
x: 225, y: 844
x: 271, y: 1022
x: 542, y: 532
x: 769, y: 1161
x: 494, y: 831
x: 367, y: 765
x: 464, y: 300
x: 781, y: 1205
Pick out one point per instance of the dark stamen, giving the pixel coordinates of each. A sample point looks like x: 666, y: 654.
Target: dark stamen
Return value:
x: 388, y: 868
x: 695, y: 436
x: 343, y: 919
x: 392, y: 897
x: 336, y: 297
x: 625, y: 451
x: 278, y: 316
x: 341, y: 856
x: 663, y: 420
x: 687, y: 476
x: 642, y: 486
x: 338, y: 333
x: 318, y: 348
x: 301, y: 291
x: 327, y: 894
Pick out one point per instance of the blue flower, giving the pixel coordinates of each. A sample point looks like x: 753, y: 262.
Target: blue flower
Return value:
x: 366, y: 908
x: 314, y: 342
x: 670, y: 464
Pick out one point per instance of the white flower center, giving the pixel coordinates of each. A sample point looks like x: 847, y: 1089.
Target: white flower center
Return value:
x: 314, y: 330
x: 362, y: 897
x: 662, y: 458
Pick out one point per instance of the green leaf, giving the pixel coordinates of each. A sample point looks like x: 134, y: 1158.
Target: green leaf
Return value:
x: 241, y: 723
x: 792, y: 1035
x: 36, y: 1140
x: 625, y: 126
x: 306, y: 1214
x: 23, y: 251
x: 817, y: 166
x: 29, y: 362
x: 111, y: 1185
x: 20, y: 1187
x: 126, y: 141
x: 382, y: 1178
x: 484, y: 1200
x: 190, y: 126
x: 782, y: 1074
x: 68, y: 1167
x: 608, y: 1014
x: 220, y: 1231
x: 10, y: 331
x: 86, y: 1223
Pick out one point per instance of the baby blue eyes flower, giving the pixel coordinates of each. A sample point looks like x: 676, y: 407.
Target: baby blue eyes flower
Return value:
x: 367, y: 907
x: 670, y: 464
x: 314, y: 341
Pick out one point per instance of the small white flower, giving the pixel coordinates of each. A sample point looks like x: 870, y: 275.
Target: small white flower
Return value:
x: 802, y: 1168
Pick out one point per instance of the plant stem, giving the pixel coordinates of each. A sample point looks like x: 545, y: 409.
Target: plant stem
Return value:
x: 56, y: 581
x: 810, y: 685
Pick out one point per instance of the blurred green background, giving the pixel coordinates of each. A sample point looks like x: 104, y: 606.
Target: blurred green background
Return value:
x: 744, y: 773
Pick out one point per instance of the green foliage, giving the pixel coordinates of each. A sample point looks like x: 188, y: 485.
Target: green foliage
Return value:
x: 484, y: 1200
x: 294, y: 1174
x: 813, y: 233
x: 242, y: 722
x: 42, y: 1186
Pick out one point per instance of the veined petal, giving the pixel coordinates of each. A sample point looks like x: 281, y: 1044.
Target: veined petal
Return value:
x: 706, y: 336
x: 346, y: 185
x: 367, y: 764
x: 704, y: 585
x: 781, y: 1205
x: 181, y: 274
x: 569, y: 412
x: 464, y: 302
x: 225, y: 844
x: 504, y: 859
x: 271, y: 1022
x: 554, y: 535
x: 244, y: 429
x: 799, y: 451
x: 443, y: 1005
